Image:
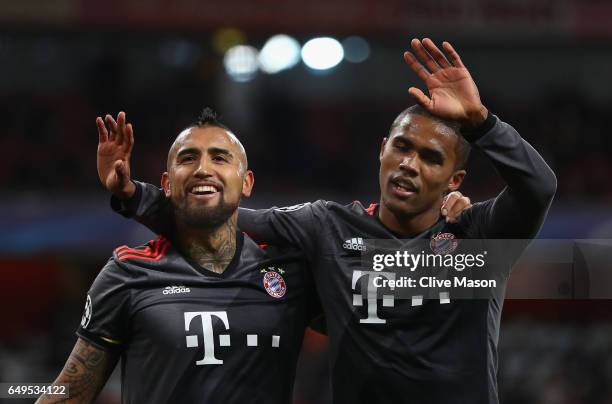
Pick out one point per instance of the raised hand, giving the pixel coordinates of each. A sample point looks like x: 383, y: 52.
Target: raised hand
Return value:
x: 453, y: 204
x: 114, y: 149
x: 452, y: 91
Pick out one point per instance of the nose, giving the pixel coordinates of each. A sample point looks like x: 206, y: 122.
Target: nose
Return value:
x: 409, y: 164
x: 203, y: 169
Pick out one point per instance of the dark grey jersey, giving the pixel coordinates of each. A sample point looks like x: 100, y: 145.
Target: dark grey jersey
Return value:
x: 189, y: 335
x: 385, y: 349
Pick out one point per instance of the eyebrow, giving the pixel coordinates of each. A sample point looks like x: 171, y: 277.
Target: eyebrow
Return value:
x: 218, y: 150
x: 212, y: 150
x: 189, y: 150
x: 426, y: 150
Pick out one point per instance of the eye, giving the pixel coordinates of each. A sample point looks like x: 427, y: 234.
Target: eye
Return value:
x: 186, y: 159
x: 219, y: 158
x: 401, y: 146
x: 432, y: 158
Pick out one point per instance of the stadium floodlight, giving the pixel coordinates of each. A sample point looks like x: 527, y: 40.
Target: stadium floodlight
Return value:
x: 241, y: 63
x: 356, y: 49
x: 322, y: 53
x: 279, y: 53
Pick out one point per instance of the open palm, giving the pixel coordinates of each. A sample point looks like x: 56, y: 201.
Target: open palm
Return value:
x: 114, y: 150
x: 452, y: 91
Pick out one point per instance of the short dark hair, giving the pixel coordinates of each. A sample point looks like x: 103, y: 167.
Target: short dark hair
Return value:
x: 462, y: 147
x: 209, y: 117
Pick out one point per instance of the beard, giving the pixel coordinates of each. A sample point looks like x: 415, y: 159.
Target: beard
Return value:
x: 207, y: 217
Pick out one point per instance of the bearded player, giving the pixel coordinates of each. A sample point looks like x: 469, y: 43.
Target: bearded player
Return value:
x: 203, y: 315
x: 384, y: 349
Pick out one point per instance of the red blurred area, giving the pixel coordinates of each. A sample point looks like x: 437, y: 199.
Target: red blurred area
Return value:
x: 30, y: 289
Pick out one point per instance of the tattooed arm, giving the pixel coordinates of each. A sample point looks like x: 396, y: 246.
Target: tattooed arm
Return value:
x: 85, y: 372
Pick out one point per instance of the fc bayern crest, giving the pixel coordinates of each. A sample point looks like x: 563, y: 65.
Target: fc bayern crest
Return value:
x: 274, y: 284
x: 443, y: 243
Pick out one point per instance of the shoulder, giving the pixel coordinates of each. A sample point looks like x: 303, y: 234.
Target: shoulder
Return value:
x: 353, y: 208
x: 472, y: 219
x: 318, y: 205
x: 263, y: 251
x: 153, y: 251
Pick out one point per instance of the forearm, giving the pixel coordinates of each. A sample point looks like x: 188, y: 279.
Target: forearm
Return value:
x: 530, y: 183
x: 148, y: 205
x: 85, y: 372
x: 519, y: 164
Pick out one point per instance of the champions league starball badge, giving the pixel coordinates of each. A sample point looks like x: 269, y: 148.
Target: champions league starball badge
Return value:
x: 443, y: 243
x: 87, y: 313
x: 274, y: 284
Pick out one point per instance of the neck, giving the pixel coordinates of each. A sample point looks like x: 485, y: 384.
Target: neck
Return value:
x: 409, y: 224
x: 211, y: 248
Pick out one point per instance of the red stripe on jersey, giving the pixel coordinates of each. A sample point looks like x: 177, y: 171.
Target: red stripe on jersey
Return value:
x: 371, y: 209
x: 145, y: 251
x: 153, y: 251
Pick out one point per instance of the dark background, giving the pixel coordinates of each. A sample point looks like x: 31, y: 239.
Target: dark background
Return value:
x: 542, y: 66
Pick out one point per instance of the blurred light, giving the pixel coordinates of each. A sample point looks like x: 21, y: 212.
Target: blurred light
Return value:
x: 226, y: 38
x: 280, y: 52
x: 241, y: 63
x: 356, y: 49
x: 322, y: 53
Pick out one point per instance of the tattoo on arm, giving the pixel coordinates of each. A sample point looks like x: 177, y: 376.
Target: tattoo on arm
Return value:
x: 86, y: 370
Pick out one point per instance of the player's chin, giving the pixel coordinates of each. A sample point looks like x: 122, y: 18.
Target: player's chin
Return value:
x: 205, y: 216
x: 403, y: 206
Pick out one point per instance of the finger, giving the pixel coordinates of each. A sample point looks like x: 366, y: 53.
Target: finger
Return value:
x: 459, y: 204
x: 436, y: 53
x: 452, y: 54
x: 113, y: 127
x: 129, y: 136
x: 120, y: 172
x: 102, y: 132
x: 448, y: 202
x: 121, y: 127
x: 421, y: 98
x: 416, y: 67
x: 424, y: 57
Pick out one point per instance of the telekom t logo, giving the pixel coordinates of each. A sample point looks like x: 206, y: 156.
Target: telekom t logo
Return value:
x: 371, y: 293
x: 208, y: 334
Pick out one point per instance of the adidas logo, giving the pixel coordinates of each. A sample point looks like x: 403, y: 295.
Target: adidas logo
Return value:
x: 355, y: 243
x: 170, y: 290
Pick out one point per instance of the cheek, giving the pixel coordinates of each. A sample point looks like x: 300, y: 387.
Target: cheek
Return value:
x: 178, y: 178
x: 434, y: 178
x: 388, y: 162
x: 233, y: 185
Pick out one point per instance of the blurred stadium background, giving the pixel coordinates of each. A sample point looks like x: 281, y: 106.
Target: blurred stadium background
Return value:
x: 312, y: 120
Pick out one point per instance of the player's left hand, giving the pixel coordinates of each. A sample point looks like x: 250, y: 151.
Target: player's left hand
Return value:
x: 115, y: 145
x: 452, y: 91
x: 453, y: 204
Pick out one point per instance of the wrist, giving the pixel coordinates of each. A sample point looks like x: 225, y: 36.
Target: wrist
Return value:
x: 475, y: 118
x: 127, y: 192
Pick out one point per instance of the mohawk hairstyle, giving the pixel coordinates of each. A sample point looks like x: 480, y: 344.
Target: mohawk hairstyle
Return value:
x: 208, y: 117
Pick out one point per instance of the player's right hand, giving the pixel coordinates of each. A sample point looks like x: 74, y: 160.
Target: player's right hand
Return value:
x: 115, y: 142
x: 453, y: 204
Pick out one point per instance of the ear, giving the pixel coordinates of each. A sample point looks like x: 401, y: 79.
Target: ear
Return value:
x: 247, y: 183
x: 382, y: 148
x: 455, y: 180
x: 165, y: 183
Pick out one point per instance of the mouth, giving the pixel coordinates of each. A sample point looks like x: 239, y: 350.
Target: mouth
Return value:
x: 403, y: 187
x: 204, y: 191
